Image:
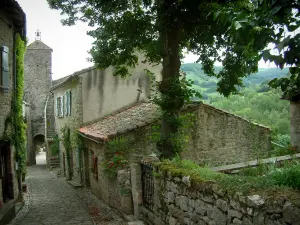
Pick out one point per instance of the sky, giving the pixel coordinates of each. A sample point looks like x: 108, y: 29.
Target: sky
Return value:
x: 70, y: 44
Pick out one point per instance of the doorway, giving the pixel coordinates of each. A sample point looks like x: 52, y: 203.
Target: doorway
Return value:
x: 6, y: 172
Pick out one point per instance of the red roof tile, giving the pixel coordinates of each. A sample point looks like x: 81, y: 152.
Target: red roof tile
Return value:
x: 122, y: 122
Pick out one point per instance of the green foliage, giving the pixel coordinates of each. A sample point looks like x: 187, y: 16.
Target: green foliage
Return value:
x: 162, y: 30
x: 119, y: 144
x: 207, y: 86
x: 114, y: 163
x: 55, y: 145
x: 264, y: 108
x: 66, y: 141
x: 19, y: 127
x: 272, y: 22
x: 288, y: 175
x: 117, y: 149
x: 180, y: 140
x: 253, y: 180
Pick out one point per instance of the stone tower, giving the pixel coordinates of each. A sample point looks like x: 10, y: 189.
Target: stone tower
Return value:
x: 37, y: 84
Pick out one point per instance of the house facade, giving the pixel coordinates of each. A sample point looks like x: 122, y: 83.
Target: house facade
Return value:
x: 85, y: 97
x: 215, y: 137
x: 12, y: 23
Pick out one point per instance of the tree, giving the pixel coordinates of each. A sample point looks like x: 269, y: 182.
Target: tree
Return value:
x: 276, y: 24
x: 162, y: 30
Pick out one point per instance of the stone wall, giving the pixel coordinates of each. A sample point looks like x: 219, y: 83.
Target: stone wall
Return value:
x: 29, y: 143
x: 116, y: 191
x: 37, y: 82
x: 73, y: 122
x: 104, y: 93
x: 6, y: 39
x: 220, y: 138
x: 177, y: 202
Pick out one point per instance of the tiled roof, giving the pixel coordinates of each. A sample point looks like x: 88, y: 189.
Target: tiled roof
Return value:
x: 134, y: 117
x: 122, y: 122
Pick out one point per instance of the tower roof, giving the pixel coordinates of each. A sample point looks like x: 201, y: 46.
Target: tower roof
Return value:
x: 38, y: 45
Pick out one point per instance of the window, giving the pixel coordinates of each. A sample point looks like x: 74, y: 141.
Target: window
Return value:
x: 59, y: 107
x: 95, y: 166
x: 64, y: 105
x: 4, y: 75
x: 69, y: 102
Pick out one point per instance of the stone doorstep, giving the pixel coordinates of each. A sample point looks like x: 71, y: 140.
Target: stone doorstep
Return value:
x: 7, y: 212
x: 131, y: 220
x: 138, y: 222
x: 74, y: 184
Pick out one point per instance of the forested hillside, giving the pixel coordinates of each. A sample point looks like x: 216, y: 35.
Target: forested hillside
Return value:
x: 256, y: 102
x: 207, y: 85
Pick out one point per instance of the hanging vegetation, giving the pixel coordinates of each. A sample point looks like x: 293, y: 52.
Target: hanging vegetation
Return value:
x: 19, y: 127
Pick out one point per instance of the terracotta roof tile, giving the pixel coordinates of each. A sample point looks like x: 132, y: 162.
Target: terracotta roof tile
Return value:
x: 122, y: 122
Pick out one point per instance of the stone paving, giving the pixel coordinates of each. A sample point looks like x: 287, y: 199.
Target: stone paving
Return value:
x: 51, y: 200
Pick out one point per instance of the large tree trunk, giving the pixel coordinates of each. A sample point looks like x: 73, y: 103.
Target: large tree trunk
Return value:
x: 170, y: 89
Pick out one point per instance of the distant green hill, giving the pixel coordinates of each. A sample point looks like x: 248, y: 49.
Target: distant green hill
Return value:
x: 207, y: 85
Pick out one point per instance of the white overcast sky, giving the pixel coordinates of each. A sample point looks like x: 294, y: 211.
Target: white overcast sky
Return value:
x: 70, y: 44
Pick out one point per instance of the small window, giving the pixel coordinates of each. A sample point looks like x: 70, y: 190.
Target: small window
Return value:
x: 59, y: 107
x: 68, y: 103
x: 95, y: 166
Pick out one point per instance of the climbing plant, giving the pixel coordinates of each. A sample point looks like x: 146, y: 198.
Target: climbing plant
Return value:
x: 19, y: 128
x: 182, y: 137
x: 116, y: 158
x: 55, y: 145
x: 66, y: 141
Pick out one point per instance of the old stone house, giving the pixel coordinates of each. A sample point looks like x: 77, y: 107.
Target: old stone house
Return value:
x: 215, y: 137
x: 12, y: 22
x: 37, y: 84
x: 85, y: 97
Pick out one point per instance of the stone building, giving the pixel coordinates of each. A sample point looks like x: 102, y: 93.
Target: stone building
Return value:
x: 37, y: 84
x: 85, y: 97
x: 216, y: 137
x: 12, y: 22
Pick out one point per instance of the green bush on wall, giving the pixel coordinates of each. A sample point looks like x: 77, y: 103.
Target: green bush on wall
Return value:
x: 19, y: 127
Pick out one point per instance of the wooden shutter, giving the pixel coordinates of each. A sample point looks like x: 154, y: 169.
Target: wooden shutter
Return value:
x: 62, y: 106
x: 69, y: 102
x: 65, y: 104
x: 57, y: 108
x: 5, y: 69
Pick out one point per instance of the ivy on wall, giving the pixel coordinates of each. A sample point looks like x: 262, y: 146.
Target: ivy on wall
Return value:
x: 117, y: 149
x: 71, y: 141
x: 19, y: 128
x: 66, y: 141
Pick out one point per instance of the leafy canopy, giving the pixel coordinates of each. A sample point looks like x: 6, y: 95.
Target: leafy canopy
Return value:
x: 273, y: 22
x: 123, y: 27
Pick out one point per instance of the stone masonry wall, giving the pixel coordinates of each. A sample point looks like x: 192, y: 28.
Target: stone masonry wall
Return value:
x: 6, y: 39
x: 37, y: 82
x: 73, y: 122
x: 220, y: 138
x: 176, y: 202
x: 116, y: 191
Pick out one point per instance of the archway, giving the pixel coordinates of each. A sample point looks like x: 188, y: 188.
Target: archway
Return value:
x: 38, y: 154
